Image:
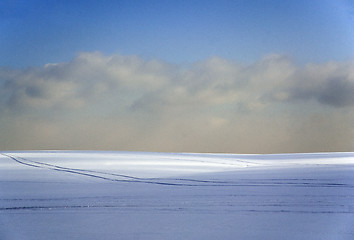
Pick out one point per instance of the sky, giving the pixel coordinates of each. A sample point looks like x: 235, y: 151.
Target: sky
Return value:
x: 179, y: 76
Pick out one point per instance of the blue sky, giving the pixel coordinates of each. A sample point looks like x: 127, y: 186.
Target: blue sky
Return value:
x: 37, y: 32
x: 179, y: 76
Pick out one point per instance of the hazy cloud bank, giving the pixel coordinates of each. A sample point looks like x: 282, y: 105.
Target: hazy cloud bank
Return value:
x: 128, y: 103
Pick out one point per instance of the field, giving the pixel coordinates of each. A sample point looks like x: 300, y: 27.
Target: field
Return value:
x: 139, y: 195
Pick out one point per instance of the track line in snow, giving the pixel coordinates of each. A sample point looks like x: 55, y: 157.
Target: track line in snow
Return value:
x: 83, y: 172
x: 158, y: 208
x: 91, y: 173
x: 175, y: 181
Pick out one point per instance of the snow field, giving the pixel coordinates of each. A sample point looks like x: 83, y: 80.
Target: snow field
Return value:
x: 136, y: 195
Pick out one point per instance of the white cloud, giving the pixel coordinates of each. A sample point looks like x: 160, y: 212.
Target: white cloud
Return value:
x: 127, y: 103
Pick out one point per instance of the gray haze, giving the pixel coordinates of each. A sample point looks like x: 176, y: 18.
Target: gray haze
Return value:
x: 127, y: 103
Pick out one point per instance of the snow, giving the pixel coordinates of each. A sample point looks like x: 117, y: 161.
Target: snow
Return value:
x: 141, y: 195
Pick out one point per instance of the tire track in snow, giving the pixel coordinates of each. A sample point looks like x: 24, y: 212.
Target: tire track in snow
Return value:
x: 170, y: 209
x: 83, y: 172
x: 91, y: 173
x: 174, y: 181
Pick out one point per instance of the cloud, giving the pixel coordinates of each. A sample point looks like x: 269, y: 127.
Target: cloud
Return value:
x: 217, y: 105
x: 329, y: 84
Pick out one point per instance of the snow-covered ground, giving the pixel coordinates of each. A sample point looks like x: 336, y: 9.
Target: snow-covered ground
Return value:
x: 138, y: 195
